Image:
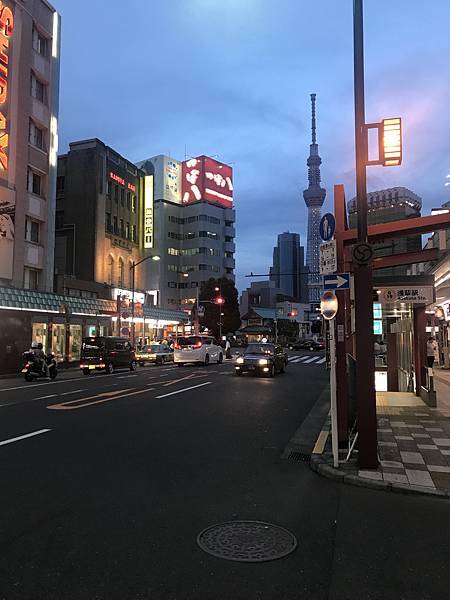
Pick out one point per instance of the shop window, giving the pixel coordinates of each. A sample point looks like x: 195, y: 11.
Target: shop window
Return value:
x: 74, y: 342
x: 39, y: 334
x: 32, y: 230
x: 58, y: 341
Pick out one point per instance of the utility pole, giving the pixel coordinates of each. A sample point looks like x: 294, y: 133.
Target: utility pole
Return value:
x: 365, y: 361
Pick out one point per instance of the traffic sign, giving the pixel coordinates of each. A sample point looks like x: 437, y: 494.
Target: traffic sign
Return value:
x: 327, y: 227
x: 328, y: 258
x: 328, y: 305
x: 338, y: 281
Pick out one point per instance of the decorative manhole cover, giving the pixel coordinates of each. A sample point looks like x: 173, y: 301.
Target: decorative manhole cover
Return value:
x: 247, y: 541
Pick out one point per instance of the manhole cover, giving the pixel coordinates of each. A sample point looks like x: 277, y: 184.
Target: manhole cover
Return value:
x: 247, y: 541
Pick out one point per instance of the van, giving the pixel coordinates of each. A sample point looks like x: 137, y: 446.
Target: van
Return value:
x: 106, y: 353
x: 200, y: 349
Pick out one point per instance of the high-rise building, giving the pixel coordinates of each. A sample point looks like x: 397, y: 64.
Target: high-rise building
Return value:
x: 29, y: 98
x: 314, y: 197
x: 289, y: 272
x: 384, y: 206
x: 194, y: 226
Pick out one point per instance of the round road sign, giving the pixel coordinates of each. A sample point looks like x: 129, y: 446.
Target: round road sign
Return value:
x: 327, y: 227
x: 362, y: 253
x: 328, y: 305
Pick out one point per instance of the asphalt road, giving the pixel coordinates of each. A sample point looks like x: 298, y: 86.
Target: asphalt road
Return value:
x: 106, y: 500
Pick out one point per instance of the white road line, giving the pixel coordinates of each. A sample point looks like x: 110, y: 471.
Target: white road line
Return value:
x: 23, y: 437
x: 321, y: 361
x: 192, y: 387
x: 314, y: 358
x: 126, y: 376
x: 46, y: 397
x: 68, y: 393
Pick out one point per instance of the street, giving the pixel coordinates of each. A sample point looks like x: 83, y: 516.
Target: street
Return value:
x: 106, y: 500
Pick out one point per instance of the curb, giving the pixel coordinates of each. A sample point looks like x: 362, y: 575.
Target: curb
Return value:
x: 320, y: 466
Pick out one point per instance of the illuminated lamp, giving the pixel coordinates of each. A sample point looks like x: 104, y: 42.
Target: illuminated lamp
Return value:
x: 389, y: 142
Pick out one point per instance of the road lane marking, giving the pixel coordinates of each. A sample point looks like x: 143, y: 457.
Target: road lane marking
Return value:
x: 69, y: 404
x: 193, y: 387
x: 321, y: 361
x: 314, y: 358
x: 23, y: 437
x: 45, y: 397
x: 74, y: 392
x: 126, y: 376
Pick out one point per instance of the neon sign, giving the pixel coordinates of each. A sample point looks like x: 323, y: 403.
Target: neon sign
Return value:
x: 131, y: 187
x: 117, y: 178
x: 6, y: 30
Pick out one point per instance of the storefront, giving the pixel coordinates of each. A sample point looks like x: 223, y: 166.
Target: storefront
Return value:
x: 439, y: 313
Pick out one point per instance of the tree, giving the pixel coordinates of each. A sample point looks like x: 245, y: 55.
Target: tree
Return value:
x: 231, y: 319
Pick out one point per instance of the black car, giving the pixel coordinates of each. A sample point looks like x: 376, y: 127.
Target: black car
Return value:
x: 262, y: 359
x: 106, y: 353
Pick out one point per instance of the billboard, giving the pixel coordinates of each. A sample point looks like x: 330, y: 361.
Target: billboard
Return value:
x: 167, y: 173
x: 148, y: 211
x: 206, y: 179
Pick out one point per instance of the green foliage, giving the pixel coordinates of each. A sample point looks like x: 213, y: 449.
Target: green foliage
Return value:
x: 231, y: 319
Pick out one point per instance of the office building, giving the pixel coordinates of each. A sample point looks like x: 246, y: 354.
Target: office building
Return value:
x: 29, y: 97
x: 289, y: 272
x: 314, y: 197
x: 384, y: 206
x: 193, y: 226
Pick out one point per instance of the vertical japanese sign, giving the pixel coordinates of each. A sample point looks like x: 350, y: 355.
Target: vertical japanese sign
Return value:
x: 148, y: 211
x: 7, y: 200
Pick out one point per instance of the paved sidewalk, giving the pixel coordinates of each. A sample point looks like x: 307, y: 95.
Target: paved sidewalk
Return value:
x: 413, y: 449
x: 442, y: 387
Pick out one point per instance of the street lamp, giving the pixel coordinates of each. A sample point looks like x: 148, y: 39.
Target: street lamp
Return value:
x: 133, y: 266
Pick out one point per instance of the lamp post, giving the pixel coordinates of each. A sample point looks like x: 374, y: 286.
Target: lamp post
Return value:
x: 134, y: 264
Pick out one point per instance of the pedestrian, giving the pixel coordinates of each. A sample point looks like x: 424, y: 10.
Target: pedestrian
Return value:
x: 227, y: 349
x: 431, y: 351
x: 376, y: 348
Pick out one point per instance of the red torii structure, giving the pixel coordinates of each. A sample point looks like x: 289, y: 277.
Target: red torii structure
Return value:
x: 345, y: 237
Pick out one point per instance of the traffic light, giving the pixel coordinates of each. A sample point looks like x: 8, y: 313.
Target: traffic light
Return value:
x: 219, y: 300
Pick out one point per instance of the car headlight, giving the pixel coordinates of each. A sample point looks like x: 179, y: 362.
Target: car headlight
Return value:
x: 263, y: 361
x: 240, y: 361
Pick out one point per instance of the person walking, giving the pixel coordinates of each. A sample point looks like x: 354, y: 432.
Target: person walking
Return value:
x: 227, y: 349
x: 431, y: 351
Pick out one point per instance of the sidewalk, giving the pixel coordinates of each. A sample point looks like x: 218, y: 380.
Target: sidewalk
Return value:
x: 442, y: 387
x: 413, y: 448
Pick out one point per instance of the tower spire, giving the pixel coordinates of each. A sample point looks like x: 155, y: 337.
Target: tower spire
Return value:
x: 313, y: 117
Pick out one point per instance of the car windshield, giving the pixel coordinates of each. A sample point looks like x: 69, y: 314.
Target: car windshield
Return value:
x: 151, y: 348
x: 189, y: 341
x: 260, y: 349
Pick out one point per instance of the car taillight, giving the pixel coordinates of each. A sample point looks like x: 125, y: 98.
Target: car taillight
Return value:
x: 197, y: 345
x: 177, y: 347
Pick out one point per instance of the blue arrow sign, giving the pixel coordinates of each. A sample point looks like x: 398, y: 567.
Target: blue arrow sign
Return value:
x: 327, y: 227
x: 337, y: 281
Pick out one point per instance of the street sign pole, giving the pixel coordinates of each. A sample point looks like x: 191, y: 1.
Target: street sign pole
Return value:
x: 334, y: 424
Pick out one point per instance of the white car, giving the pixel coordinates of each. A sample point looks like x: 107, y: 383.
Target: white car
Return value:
x: 197, y: 349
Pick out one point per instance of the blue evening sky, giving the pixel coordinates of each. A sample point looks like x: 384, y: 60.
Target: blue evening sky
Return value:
x: 232, y: 78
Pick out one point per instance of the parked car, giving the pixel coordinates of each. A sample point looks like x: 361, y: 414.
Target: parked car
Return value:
x: 262, y: 359
x: 197, y: 349
x: 300, y: 345
x: 106, y: 353
x: 154, y: 353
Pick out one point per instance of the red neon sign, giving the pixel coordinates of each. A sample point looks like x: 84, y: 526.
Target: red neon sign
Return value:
x: 131, y: 187
x: 204, y: 178
x: 117, y: 178
x: 6, y: 30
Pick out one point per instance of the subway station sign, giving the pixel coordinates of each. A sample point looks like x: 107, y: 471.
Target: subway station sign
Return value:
x: 407, y: 295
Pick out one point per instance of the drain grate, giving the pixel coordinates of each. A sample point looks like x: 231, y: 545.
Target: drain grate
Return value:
x: 299, y: 456
x: 247, y: 541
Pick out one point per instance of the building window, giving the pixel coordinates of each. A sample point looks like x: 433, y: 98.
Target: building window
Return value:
x: 34, y: 183
x: 116, y: 194
x: 110, y: 270
x: 108, y: 222
x: 32, y: 230
x: 173, y: 251
x: 30, y: 279
x: 229, y: 271
x: 122, y: 228
x: 115, y: 230
x: 38, y: 89
x: 40, y: 43
x: 60, y: 183
x: 122, y: 197
x: 228, y: 254
x: 129, y: 200
x: 228, y: 238
x: 228, y: 223
x: 127, y: 231
x: 59, y: 219
x: 36, y: 136
x: 134, y: 233
x: 121, y: 272
x: 208, y: 234
x: 172, y: 284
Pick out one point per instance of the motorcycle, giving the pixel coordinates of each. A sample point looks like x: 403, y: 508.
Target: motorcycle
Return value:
x: 33, y: 369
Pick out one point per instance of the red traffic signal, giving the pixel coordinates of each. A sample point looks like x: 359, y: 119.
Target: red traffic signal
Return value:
x: 219, y: 300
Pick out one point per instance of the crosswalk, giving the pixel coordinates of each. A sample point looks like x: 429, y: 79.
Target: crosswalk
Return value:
x: 307, y: 359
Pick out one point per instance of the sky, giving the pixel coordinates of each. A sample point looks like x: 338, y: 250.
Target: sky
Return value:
x: 232, y: 79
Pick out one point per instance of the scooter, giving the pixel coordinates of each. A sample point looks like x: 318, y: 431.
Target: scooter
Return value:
x: 33, y: 369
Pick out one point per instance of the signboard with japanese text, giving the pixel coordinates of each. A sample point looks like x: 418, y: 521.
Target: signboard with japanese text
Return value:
x: 328, y: 258
x: 148, y: 211
x: 407, y: 295
x: 206, y: 179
